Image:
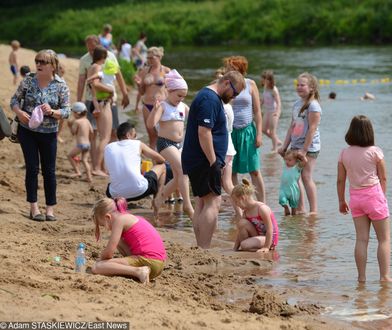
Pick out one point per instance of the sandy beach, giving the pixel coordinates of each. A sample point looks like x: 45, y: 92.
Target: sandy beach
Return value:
x: 212, y: 289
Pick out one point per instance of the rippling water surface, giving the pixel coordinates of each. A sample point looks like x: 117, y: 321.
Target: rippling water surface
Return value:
x: 315, y: 253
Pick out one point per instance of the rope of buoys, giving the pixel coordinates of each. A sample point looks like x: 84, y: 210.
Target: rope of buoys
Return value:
x: 327, y: 82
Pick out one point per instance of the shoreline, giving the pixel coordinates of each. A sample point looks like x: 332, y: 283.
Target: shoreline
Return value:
x: 214, y: 289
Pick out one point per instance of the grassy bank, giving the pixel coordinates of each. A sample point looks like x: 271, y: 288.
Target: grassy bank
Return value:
x: 173, y: 23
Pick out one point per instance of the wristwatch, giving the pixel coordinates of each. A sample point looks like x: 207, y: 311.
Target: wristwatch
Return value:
x: 52, y: 113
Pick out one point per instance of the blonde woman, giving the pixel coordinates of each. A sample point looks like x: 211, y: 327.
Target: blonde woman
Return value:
x: 151, y: 85
x: 48, y: 92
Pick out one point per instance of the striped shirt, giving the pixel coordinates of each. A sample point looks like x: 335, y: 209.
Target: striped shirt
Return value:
x: 243, y: 107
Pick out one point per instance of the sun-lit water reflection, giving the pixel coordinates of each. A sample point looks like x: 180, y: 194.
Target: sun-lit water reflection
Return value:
x: 315, y: 254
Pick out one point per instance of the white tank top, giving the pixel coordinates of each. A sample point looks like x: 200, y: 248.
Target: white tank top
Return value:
x: 171, y: 112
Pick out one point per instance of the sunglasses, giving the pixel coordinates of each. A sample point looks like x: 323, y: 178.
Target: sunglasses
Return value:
x: 235, y: 92
x: 41, y: 62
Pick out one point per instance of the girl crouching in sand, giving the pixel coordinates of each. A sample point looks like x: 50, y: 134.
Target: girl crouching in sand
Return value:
x: 258, y: 230
x: 133, y: 236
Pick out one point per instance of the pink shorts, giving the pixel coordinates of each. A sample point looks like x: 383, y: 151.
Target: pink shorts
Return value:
x: 369, y: 201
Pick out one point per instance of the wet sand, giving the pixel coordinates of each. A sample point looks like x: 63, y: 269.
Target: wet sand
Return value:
x: 212, y: 289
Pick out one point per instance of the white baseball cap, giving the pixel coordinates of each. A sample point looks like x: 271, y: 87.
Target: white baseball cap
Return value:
x: 78, y: 107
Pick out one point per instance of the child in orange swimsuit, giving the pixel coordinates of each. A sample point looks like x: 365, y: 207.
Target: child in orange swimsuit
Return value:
x: 258, y: 230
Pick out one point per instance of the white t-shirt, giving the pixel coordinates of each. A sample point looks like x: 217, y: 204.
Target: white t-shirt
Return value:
x: 125, y: 52
x: 122, y: 159
x: 229, y: 124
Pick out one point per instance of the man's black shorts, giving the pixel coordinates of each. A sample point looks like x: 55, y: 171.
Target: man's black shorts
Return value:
x: 152, y: 188
x: 199, y: 179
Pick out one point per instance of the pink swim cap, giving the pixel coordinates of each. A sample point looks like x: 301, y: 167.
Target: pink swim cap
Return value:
x: 36, y: 118
x: 174, y: 81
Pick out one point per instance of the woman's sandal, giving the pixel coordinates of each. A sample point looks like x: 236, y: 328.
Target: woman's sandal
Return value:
x: 38, y: 217
x: 51, y: 218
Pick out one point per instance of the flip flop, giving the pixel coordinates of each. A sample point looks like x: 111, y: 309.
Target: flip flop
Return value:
x: 38, y: 217
x: 50, y: 218
x: 5, y: 127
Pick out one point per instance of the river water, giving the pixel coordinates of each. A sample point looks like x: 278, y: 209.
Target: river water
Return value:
x: 314, y: 253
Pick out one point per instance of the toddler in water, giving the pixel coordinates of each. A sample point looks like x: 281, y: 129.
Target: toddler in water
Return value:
x: 83, y: 132
x: 289, y: 192
x: 271, y: 106
x: 363, y: 163
x: 133, y: 236
x: 258, y: 229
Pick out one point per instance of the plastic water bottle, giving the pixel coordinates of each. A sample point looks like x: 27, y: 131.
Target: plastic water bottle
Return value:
x: 80, y: 259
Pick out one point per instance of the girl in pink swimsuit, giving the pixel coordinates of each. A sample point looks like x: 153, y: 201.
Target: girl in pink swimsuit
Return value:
x: 133, y: 236
x: 258, y: 230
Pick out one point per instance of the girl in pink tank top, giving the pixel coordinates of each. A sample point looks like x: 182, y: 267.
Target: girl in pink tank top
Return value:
x: 258, y: 230
x: 133, y: 236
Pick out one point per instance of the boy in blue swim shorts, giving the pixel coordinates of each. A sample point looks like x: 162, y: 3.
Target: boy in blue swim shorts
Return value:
x: 13, y: 60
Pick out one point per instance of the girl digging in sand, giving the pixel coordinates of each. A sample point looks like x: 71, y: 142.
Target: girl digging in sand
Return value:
x: 133, y: 236
x: 271, y: 106
x: 258, y: 229
x: 171, y: 115
x: 363, y: 163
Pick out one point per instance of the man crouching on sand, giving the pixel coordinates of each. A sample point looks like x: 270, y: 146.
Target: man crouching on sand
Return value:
x: 123, y: 159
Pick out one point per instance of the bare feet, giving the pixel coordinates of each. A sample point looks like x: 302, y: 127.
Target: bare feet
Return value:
x: 386, y: 279
x: 144, y: 275
x: 99, y: 173
x: 75, y: 175
x: 286, y: 210
x: 156, y: 203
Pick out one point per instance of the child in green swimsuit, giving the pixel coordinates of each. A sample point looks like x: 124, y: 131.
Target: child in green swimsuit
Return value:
x: 289, y: 189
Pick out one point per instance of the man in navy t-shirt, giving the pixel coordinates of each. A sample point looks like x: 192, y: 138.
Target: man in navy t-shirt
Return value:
x: 204, y: 151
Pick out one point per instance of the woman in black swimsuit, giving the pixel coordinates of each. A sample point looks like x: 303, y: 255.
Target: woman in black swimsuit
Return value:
x: 151, y: 86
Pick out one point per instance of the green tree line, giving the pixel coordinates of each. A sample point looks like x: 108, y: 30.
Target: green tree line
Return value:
x: 219, y: 22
